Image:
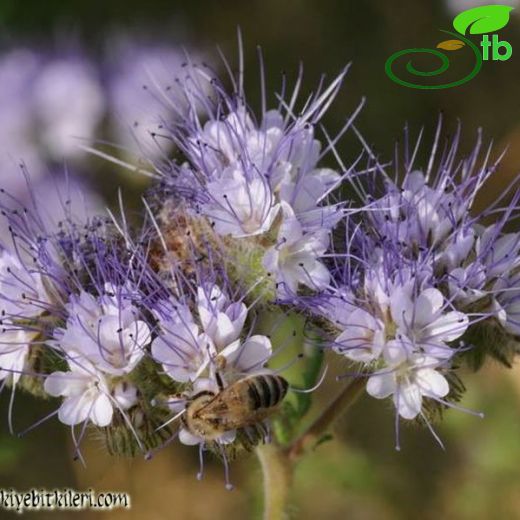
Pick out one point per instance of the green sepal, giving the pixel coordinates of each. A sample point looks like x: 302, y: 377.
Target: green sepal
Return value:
x: 151, y: 380
x: 489, y: 339
x: 42, y: 360
x: 145, y: 421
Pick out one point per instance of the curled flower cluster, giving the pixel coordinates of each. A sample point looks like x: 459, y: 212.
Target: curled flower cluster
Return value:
x: 250, y: 261
x: 260, y: 182
x: 103, y: 340
x: 421, y: 285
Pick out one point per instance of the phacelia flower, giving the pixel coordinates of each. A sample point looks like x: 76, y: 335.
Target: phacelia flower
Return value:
x: 103, y: 338
x: 106, y: 331
x: 136, y: 330
x: 23, y: 297
x: 221, y: 320
x: 295, y: 259
x: 256, y: 181
x: 419, y: 284
x: 181, y: 346
x: 408, y: 379
x: 88, y: 393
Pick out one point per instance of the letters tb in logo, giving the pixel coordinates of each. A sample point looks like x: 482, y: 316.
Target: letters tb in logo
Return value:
x: 500, y: 50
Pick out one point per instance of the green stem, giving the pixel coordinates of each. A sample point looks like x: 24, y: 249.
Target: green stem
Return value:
x: 326, y: 420
x: 277, y: 471
x: 278, y: 463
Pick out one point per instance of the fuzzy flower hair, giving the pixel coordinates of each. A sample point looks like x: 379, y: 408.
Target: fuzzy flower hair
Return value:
x: 72, y: 327
x: 419, y: 284
x: 259, y: 181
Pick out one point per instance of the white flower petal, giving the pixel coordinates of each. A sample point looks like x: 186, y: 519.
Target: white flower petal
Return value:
x: 182, y: 351
x: 13, y: 356
x: 102, y: 411
x: 252, y: 355
x: 318, y: 276
x: 381, y: 386
x: 205, y: 385
x: 448, y: 327
x: 432, y: 383
x: 65, y: 383
x: 397, y: 351
x: 257, y: 350
x: 211, y: 298
x: 270, y: 260
x: 75, y: 410
x: 362, y: 338
x: 231, y: 351
x: 225, y: 331
x: 427, y: 305
x: 408, y: 400
x: 125, y: 395
x: 401, y: 305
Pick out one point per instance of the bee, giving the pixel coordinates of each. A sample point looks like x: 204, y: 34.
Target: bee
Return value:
x: 242, y: 405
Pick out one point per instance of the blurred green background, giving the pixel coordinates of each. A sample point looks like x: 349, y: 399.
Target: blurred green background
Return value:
x: 359, y: 475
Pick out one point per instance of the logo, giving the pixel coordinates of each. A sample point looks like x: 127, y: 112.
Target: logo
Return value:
x: 477, y: 21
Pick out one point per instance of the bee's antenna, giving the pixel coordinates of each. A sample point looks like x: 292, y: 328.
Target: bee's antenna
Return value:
x: 169, y: 421
x: 218, y: 363
x: 317, y: 385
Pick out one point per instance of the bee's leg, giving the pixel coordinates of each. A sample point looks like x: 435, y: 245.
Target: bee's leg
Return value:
x: 220, y: 365
x: 220, y: 362
x: 264, y: 431
x: 225, y: 460
x: 258, y: 433
x: 252, y: 437
x: 202, y: 449
x: 220, y: 381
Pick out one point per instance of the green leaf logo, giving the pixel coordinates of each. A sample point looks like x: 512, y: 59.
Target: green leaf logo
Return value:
x: 481, y: 20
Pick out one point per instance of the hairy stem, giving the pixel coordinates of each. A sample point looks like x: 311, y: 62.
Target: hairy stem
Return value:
x: 277, y: 471
x: 326, y: 420
x: 278, y: 463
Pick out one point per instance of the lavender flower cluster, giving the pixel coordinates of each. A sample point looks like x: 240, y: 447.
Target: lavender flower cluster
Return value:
x: 247, y: 224
x: 421, y: 286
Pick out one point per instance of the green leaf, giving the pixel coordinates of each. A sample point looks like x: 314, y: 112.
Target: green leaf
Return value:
x: 323, y: 439
x: 481, y: 20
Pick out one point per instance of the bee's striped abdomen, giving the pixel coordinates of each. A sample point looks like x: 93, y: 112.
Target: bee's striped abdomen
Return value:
x: 266, y: 391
